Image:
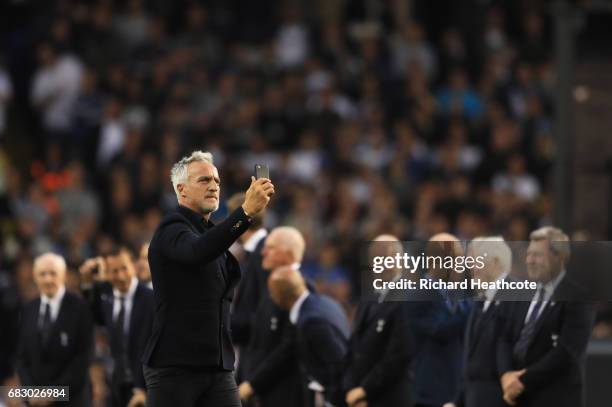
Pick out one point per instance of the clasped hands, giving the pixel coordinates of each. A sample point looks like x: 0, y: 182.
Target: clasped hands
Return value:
x: 512, y: 385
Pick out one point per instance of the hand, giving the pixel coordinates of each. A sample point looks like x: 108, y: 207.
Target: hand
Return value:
x: 138, y: 399
x: 512, y: 385
x: 245, y: 391
x: 355, y: 395
x: 87, y: 268
x: 449, y: 405
x: 509, y: 400
x: 258, y: 196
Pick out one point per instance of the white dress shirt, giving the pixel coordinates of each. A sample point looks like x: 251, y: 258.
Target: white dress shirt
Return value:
x: 54, y: 304
x: 294, y: 313
x: 251, y: 243
x: 128, y: 304
x: 490, y: 293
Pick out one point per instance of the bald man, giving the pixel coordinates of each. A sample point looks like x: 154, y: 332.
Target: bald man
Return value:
x: 321, y: 332
x: 271, y: 372
x: 438, y: 322
x: 56, y: 335
x: 380, y: 349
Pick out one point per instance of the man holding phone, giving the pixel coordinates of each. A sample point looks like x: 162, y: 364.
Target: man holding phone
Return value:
x: 189, y: 358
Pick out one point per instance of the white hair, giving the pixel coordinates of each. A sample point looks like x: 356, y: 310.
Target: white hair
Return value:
x: 495, y: 247
x: 179, y: 173
x: 54, y: 258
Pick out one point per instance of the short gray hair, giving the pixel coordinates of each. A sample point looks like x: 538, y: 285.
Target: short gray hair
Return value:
x: 179, y: 173
x: 494, y: 247
x: 557, y: 239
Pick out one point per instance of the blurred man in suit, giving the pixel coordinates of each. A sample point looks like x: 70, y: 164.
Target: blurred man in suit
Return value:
x: 438, y: 320
x: 542, y: 352
x: 125, y: 307
x: 321, y: 332
x: 271, y: 370
x: 377, y: 370
x: 189, y: 358
x: 480, y: 385
x: 56, y: 335
x: 252, y: 284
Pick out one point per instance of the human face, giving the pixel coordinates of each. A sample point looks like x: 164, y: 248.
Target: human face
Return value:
x: 120, y: 271
x: 49, y: 277
x: 542, y: 264
x: 201, y: 191
x: 275, y: 254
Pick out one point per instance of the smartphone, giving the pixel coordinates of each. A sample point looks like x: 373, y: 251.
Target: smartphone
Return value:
x: 262, y: 171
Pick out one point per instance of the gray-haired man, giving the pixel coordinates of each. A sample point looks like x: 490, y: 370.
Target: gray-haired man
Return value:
x: 189, y: 358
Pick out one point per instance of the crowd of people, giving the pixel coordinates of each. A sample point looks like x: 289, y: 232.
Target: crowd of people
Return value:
x: 374, y: 118
x: 371, y: 121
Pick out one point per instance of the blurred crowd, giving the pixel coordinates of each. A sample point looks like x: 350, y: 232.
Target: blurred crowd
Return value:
x: 403, y: 117
x: 372, y: 116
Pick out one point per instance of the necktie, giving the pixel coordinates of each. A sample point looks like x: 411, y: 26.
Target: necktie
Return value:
x: 45, y: 326
x: 521, y: 346
x: 122, y: 363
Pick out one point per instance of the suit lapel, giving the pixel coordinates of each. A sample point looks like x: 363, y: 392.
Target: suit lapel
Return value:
x: 62, y: 318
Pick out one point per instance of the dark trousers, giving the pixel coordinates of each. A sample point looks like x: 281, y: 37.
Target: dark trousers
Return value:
x: 190, y: 387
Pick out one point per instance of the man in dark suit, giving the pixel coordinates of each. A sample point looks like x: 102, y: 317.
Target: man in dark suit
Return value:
x: 56, y: 335
x: 542, y: 351
x: 321, y: 332
x: 125, y: 307
x: 271, y: 371
x: 377, y: 370
x: 438, y: 321
x: 189, y: 358
x: 480, y: 385
x: 252, y: 284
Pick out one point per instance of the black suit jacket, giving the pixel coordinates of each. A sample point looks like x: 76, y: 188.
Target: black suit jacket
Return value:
x: 101, y: 300
x: 65, y: 360
x: 271, y: 366
x: 555, y: 358
x: 380, y: 352
x: 481, y: 385
x: 322, y: 332
x: 194, y: 276
x: 248, y: 294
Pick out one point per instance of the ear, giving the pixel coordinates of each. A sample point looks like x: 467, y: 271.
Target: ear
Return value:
x: 180, y: 188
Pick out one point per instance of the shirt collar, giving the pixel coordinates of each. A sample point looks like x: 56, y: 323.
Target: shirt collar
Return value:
x: 294, y: 314
x: 195, y: 218
x: 251, y: 243
x: 130, y: 292
x: 551, y: 286
x: 56, y: 300
x: 383, y: 293
x: 489, y: 293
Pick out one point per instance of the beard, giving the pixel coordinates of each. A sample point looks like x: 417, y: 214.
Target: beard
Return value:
x: 209, y: 208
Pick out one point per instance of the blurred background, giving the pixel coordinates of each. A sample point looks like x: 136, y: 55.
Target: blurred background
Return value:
x: 476, y: 117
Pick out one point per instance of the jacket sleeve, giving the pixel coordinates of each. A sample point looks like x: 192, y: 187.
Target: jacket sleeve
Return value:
x: 179, y: 243
x: 23, y: 361
x: 279, y: 362
x: 93, y: 295
x: 571, y: 346
x: 396, y: 356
